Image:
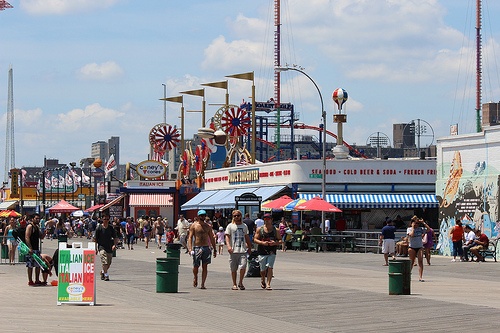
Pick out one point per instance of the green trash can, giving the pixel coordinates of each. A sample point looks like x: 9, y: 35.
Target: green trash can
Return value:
x: 5, y: 251
x: 21, y: 257
x: 399, y: 277
x: 167, y: 275
x: 62, y: 238
x: 174, y: 250
x: 114, y: 253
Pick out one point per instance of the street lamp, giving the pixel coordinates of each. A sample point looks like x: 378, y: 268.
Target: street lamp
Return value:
x: 323, y: 115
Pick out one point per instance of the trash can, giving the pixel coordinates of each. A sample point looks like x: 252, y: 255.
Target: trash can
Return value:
x: 21, y: 256
x: 399, y: 277
x: 62, y: 238
x: 167, y: 275
x: 114, y: 253
x: 5, y: 251
x: 174, y: 250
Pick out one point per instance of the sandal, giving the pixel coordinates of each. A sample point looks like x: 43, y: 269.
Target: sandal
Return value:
x: 263, y: 284
x: 234, y: 288
x: 195, y: 283
x: 242, y: 287
x: 269, y: 288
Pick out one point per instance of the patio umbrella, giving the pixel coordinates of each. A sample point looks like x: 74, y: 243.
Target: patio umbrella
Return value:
x: 278, y: 204
x: 62, y: 207
x: 9, y: 213
x: 79, y: 213
x: 318, y: 204
x: 291, y: 206
x: 264, y: 208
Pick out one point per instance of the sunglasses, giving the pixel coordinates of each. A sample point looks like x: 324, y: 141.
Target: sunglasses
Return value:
x: 237, y: 215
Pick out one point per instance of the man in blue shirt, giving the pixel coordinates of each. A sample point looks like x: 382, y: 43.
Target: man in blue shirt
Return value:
x: 387, y: 241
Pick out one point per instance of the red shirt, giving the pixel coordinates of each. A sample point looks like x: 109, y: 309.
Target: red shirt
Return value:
x: 457, y: 233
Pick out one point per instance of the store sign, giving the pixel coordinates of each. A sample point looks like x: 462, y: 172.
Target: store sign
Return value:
x: 76, y: 282
x: 151, y: 169
x: 244, y: 176
x: 14, y: 183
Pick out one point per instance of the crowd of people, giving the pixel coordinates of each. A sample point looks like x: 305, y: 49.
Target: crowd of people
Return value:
x: 204, y: 238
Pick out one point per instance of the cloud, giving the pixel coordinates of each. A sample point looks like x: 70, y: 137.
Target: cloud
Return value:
x: 62, y: 7
x: 106, y: 71
x: 224, y: 55
x: 92, y: 118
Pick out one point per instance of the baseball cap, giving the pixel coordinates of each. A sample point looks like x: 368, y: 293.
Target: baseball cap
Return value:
x: 221, y: 228
x: 267, y: 215
x: 202, y: 212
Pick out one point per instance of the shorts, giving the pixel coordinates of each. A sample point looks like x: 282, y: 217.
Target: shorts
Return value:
x: 30, y: 261
x: 106, y: 257
x: 388, y: 246
x: 479, y: 248
x: 202, y: 256
x: 266, y: 261
x: 11, y: 242
x: 237, y: 261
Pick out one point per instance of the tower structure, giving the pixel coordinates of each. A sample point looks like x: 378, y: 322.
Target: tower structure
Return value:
x: 10, y: 155
x: 478, y: 66
x: 277, y: 74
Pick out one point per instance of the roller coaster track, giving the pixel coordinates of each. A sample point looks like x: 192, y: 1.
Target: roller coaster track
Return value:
x: 314, y: 128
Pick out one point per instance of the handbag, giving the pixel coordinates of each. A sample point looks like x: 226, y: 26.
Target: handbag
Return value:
x: 424, y: 239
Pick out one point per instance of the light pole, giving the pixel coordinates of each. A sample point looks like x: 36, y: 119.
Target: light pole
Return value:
x: 323, y: 115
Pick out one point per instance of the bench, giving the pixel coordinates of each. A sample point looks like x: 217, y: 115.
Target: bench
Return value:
x: 491, y: 252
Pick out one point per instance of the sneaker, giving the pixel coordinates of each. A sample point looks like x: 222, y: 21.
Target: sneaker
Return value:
x: 102, y: 275
x: 453, y: 260
x: 106, y: 278
x: 31, y: 283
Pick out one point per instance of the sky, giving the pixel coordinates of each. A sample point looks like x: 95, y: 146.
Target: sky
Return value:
x: 86, y: 70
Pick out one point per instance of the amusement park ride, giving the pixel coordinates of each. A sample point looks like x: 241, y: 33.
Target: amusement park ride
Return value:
x: 234, y: 130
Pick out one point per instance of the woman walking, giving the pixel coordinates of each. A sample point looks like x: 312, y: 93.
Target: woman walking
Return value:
x: 415, y: 233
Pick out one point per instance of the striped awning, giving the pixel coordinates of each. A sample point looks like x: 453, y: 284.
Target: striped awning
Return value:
x: 8, y: 204
x: 379, y: 200
x: 112, y: 202
x: 151, y: 200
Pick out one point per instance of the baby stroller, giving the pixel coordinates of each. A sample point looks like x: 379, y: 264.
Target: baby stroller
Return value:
x: 253, y: 265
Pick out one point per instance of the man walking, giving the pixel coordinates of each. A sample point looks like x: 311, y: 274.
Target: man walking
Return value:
x: 387, y: 236
x: 32, y: 236
x: 182, y: 230
x: 238, y: 245
x: 250, y: 225
x: 267, y: 239
x: 204, y: 238
x: 105, y: 239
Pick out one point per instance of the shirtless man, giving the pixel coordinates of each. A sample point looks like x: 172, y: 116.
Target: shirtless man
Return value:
x: 204, y: 239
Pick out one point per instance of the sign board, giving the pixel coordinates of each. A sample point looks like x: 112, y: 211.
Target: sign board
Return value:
x: 76, y: 267
x: 151, y: 169
x: 248, y: 199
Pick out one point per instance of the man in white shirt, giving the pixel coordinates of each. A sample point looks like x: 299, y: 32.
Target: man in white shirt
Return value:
x: 470, y: 236
x: 259, y: 222
x: 238, y: 245
x: 182, y: 230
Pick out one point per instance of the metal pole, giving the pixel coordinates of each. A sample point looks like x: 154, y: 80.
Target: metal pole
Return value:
x: 323, y: 115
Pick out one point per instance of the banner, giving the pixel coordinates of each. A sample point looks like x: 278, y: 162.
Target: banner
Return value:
x: 76, y: 282
x: 110, y: 166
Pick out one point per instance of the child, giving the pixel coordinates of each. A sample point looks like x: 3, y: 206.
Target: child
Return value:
x: 220, y: 239
x: 170, y: 235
